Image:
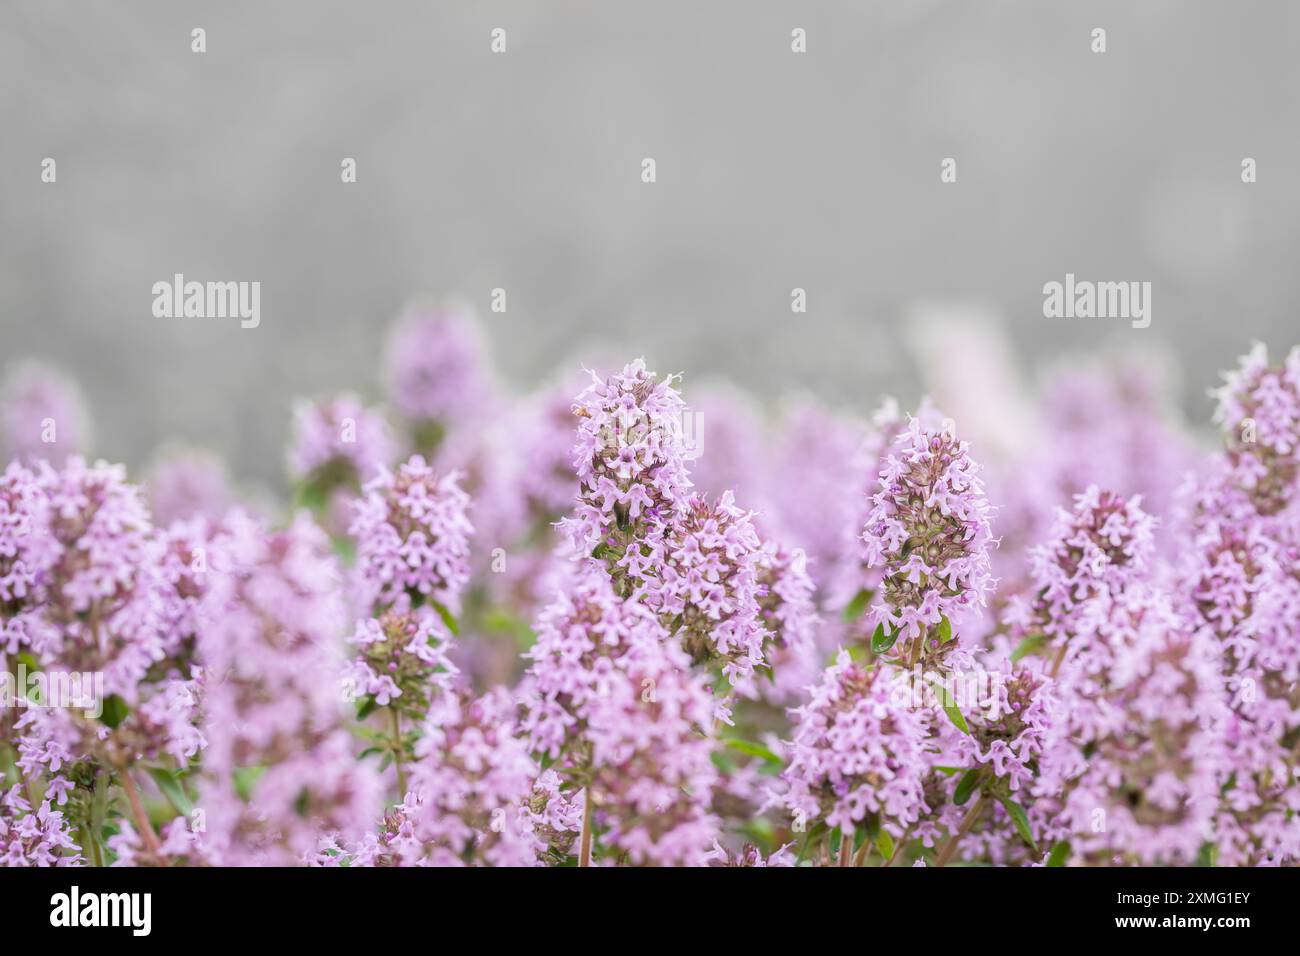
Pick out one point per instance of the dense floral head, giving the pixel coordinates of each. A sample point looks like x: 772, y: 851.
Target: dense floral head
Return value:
x: 339, y: 443
x: 412, y: 532
x: 555, y: 815
x: 42, y: 415
x: 26, y: 553
x: 612, y: 701
x: 928, y: 532
x: 708, y: 586
x: 34, y: 838
x: 652, y: 771
x: 1139, y: 779
x: 1259, y: 409
x: 436, y: 367
x: 858, y: 749
x: 187, y: 484
x: 279, y: 768
x: 785, y: 606
x: 630, y: 459
x: 582, y: 635
x: 1237, y: 575
x: 402, y: 659
x: 185, y: 566
x: 856, y: 574
x: 1009, y: 729
x: 1095, y: 551
x: 468, y: 801
x: 104, y: 592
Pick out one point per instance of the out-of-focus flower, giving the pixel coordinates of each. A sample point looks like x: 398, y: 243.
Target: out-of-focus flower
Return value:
x: 1137, y: 765
x: 1239, y: 581
x: 179, y: 844
x: 785, y: 603
x: 468, y: 801
x: 104, y: 590
x: 750, y: 855
x: 725, y: 443
x: 581, y: 635
x: 185, y: 565
x: 279, y: 769
x: 437, y: 373
x: 1259, y: 410
x: 613, y: 702
x: 812, y: 488
x: 339, y: 443
x: 27, y: 552
x: 186, y: 484
x: 43, y: 416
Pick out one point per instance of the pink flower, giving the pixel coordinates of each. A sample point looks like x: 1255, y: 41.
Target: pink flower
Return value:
x: 412, y: 534
x: 279, y: 769
x: 858, y: 749
x: 339, y: 443
x: 630, y: 459
x: 928, y: 531
x: 42, y: 416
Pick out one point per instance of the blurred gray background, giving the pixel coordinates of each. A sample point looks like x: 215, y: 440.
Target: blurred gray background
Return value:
x: 521, y: 170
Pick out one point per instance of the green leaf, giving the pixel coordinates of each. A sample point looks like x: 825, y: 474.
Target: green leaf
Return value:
x: 853, y: 610
x: 885, y: 844
x: 945, y: 630
x: 310, y: 495
x: 966, y: 786
x: 948, y: 771
x: 115, y: 711
x: 950, y: 708
x: 1021, y: 820
x: 244, y: 778
x: 367, y: 707
x: 1028, y: 646
x: 447, y: 617
x: 815, y: 834
x: 880, y: 642
x: 1209, y: 855
x: 1060, y: 853
x: 753, y: 750
x: 346, y: 550
x: 169, y: 783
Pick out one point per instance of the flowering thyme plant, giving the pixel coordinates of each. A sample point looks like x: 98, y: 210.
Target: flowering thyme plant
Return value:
x: 505, y: 630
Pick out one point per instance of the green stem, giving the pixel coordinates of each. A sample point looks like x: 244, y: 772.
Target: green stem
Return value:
x: 399, y: 749
x: 584, y: 845
x: 860, y: 858
x: 967, y: 822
